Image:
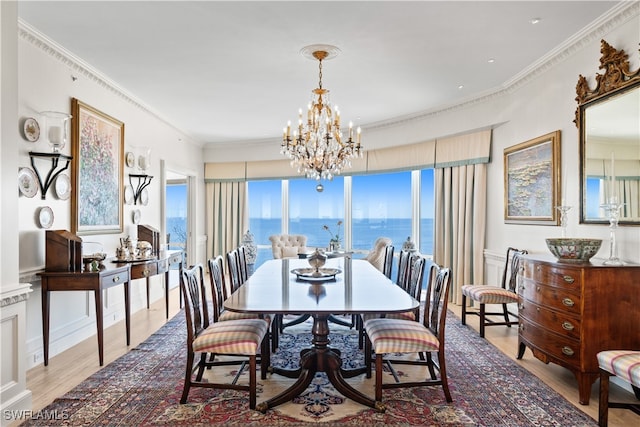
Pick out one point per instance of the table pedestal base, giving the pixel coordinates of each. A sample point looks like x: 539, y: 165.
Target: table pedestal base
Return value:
x: 320, y: 358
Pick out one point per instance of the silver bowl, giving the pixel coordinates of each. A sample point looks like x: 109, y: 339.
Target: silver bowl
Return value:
x: 576, y: 250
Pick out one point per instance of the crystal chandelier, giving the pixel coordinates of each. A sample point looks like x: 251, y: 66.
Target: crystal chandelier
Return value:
x: 317, y: 146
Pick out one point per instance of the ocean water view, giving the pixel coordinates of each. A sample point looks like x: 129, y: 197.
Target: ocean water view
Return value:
x: 364, y: 232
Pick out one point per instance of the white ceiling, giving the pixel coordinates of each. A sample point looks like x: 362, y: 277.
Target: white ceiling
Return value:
x: 232, y: 71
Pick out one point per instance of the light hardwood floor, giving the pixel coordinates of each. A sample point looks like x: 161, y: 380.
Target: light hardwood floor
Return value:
x: 71, y: 367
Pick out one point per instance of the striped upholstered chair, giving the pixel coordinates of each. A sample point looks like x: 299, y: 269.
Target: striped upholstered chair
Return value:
x: 503, y: 294
x: 244, y: 338
x: 216, y: 280
x: 411, y: 283
x: 389, y: 337
x: 624, y: 364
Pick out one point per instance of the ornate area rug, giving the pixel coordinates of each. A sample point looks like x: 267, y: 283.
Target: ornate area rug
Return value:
x: 144, y: 388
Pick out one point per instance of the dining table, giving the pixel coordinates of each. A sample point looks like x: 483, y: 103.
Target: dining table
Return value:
x: 341, y: 286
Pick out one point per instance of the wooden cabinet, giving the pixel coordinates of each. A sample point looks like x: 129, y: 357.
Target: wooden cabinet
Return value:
x: 570, y: 312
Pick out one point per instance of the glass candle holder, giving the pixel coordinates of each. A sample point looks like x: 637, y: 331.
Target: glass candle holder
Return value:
x: 563, y: 218
x: 144, y: 159
x: 612, y: 209
x: 56, y: 129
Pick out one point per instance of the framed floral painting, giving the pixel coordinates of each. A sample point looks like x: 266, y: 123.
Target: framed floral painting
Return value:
x: 97, y: 171
x: 531, y: 177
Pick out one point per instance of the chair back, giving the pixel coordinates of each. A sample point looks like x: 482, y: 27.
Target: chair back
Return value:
x: 388, y: 261
x: 435, y: 308
x: 242, y: 264
x: 415, y: 276
x: 288, y: 245
x: 195, y: 301
x: 218, y: 288
x: 403, y: 269
x: 233, y: 269
x: 511, y: 265
x: 377, y: 253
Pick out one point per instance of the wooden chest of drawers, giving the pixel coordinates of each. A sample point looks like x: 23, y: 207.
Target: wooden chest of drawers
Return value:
x: 570, y: 312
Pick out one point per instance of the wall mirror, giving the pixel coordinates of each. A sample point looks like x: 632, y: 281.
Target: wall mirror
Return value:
x: 608, y: 120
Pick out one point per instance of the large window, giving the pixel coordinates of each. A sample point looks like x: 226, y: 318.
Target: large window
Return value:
x: 176, y: 217
x: 310, y: 210
x: 265, y: 215
x: 381, y: 206
x: 427, y: 211
x: 395, y: 205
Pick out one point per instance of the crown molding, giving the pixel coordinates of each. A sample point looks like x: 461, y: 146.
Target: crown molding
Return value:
x: 77, y: 65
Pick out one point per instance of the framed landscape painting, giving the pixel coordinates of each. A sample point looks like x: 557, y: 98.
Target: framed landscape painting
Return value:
x: 531, y: 176
x: 97, y: 171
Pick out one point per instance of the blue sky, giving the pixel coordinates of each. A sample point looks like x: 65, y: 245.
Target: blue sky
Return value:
x: 176, y: 201
x: 382, y: 196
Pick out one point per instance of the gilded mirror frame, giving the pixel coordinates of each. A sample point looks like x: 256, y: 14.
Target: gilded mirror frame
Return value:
x: 617, y: 80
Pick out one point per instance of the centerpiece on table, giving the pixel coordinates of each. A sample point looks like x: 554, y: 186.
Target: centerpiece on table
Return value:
x: 334, y: 243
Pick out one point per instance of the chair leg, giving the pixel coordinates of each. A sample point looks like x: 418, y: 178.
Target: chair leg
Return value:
x: 202, y: 365
x: 482, y: 319
x: 379, y: 377
x: 506, y: 315
x: 265, y: 357
x: 367, y: 355
x: 432, y: 371
x: 603, y: 409
x: 187, y: 378
x: 275, y: 333
x: 360, y: 329
x: 252, y: 382
x: 443, y: 376
x: 464, y: 309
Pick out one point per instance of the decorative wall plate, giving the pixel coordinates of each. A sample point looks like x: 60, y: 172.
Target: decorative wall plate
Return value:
x: 144, y: 197
x: 45, y: 217
x: 63, y: 187
x: 128, y: 194
x: 27, y: 182
x: 136, y: 216
x: 130, y: 158
x: 31, y: 129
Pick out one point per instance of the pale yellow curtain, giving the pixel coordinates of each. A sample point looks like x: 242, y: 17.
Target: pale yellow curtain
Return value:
x: 227, y: 217
x: 460, y: 201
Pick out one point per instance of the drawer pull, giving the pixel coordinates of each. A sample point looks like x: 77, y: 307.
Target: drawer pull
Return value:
x: 567, y: 350
x: 521, y: 326
x: 520, y: 306
x: 567, y: 326
x: 116, y: 279
x: 568, y: 302
x: 145, y: 273
x: 568, y: 279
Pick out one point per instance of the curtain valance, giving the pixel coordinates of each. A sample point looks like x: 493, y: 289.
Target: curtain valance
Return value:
x: 467, y: 149
x: 458, y: 150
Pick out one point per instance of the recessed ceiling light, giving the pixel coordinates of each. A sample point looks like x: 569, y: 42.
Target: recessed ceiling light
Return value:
x: 535, y: 20
x: 491, y: 61
x: 460, y: 87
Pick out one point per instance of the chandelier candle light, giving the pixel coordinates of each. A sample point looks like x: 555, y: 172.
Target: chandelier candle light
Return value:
x: 317, y: 147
